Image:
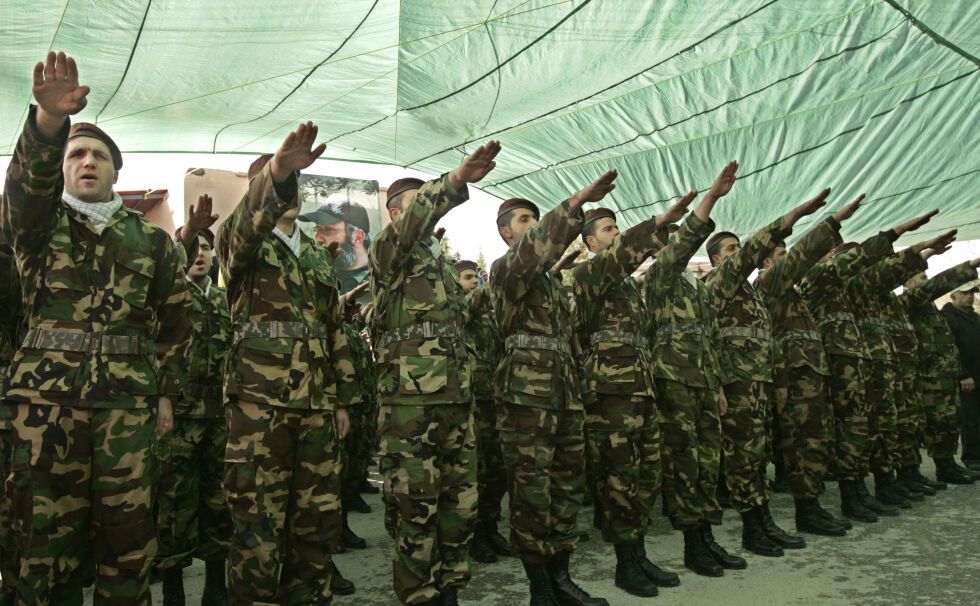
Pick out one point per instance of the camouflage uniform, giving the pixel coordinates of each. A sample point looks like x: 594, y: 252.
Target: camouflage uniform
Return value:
x: 11, y: 321
x: 883, y: 387
x: 746, y: 363
x: 358, y: 447
x: 910, y: 416
x: 491, y: 474
x: 621, y: 429
x: 192, y: 515
x: 288, y: 370
x: 938, y: 367
x: 428, y: 444
x: 107, y: 318
x: 540, y: 415
x: 684, y: 331
x: 806, y: 419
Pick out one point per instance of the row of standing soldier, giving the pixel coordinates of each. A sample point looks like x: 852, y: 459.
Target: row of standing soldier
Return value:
x: 584, y: 365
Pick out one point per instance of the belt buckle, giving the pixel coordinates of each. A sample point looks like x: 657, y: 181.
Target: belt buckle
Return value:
x: 428, y: 330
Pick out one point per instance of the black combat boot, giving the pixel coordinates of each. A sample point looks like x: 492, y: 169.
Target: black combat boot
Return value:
x: 355, y: 502
x: 8, y: 595
x: 928, y: 482
x: 173, y: 586
x: 909, y: 478
x: 718, y: 552
x: 448, y: 597
x: 349, y: 539
x: 777, y: 534
x: 338, y: 584
x: 495, y: 540
x: 659, y: 576
x: 479, y: 548
x: 851, y: 505
x: 540, y: 581
x: 948, y: 471
x: 697, y: 557
x: 368, y: 488
x: 754, y: 537
x: 564, y: 588
x: 810, y: 518
x: 885, y: 491
x: 629, y: 577
x: 215, y: 592
x: 872, y: 503
x: 843, y: 523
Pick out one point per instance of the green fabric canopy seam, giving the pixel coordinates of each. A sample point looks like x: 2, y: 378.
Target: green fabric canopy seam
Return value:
x: 214, y: 142
x: 760, y: 122
x: 610, y: 87
x: 932, y: 34
x: 129, y: 61
x: 470, y: 27
x: 707, y: 110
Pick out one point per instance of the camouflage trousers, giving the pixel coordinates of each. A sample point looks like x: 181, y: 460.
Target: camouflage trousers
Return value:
x: 428, y: 462
x: 358, y: 447
x: 852, y: 407
x: 690, y: 422
x: 883, y: 391
x: 910, y: 417
x: 80, y: 485
x: 192, y: 514
x: 623, y: 440
x: 806, y: 431
x: 938, y: 396
x: 491, y: 474
x: 9, y: 561
x: 545, y: 455
x: 744, y: 443
x: 282, y: 483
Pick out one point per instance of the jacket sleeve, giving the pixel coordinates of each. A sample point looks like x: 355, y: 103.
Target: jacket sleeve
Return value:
x: 681, y: 246
x: 890, y: 272
x: 940, y: 284
x: 724, y: 280
x: 594, y: 278
x: 173, y: 310
x: 803, y: 255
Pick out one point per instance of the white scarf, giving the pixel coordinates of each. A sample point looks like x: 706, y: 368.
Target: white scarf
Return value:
x: 207, y: 284
x: 292, y: 242
x: 691, y: 278
x: 97, y: 213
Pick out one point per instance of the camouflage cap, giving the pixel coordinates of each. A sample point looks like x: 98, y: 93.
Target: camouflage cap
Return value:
x: 463, y: 265
x: 84, y: 129
x: 256, y: 166
x: 598, y: 213
x: 400, y: 186
x: 334, y: 212
x: 715, y: 241
x: 513, y: 203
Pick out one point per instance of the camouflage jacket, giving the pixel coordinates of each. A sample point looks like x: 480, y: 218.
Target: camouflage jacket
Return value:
x: 483, y: 334
x: 540, y: 363
x: 107, y: 314
x: 938, y: 355
x: 11, y: 321
x: 873, y: 282
x: 288, y: 349
x: 363, y: 362
x: 793, y: 326
x: 743, y: 320
x: 899, y: 327
x: 682, y: 324
x: 420, y: 310
x: 612, y: 316
x: 211, y: 323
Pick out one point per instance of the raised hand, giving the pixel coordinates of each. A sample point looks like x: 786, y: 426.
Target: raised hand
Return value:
x: 200, y: 218
x: 439, y: 233
x: 676, y: 212
x: 595, y: 192
x: 57, y: 92
x: 476, y: 166
x: 296, y: 152
x: 723, y: 184
x: 356, y: 292
x: 937, y: 243
x: 975, y: 263
x: 916, y: 223
x: 807, y: 208
x: 567, y: 260
x: 848, y: 211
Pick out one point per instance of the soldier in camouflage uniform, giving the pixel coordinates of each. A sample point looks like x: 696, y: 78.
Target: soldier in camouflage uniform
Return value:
x: 540, y: 414
x: 107, y: 308
x: 192, y: 515
x: 428, y: 444
x: 289, y: 379
x: 11, y: 322
x: 684, y: 331
x: 937, y: 372
x: 481, y: 331
x: 621, y: 429
x: 747, y: 368
x: 803, y: 413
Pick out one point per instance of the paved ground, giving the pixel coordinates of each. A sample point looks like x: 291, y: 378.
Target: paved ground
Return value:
x: 930, y: 555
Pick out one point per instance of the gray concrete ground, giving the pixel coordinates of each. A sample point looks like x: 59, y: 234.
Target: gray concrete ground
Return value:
x: 930, y: 555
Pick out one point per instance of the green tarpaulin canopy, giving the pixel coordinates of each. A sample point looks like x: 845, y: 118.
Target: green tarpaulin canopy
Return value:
x: 875, y: 96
